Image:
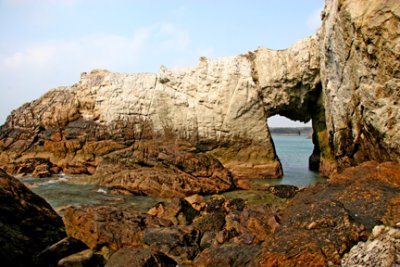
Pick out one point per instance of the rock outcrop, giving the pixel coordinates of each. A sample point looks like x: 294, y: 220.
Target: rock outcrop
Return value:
x: 324, y: 221
x: 131, y: 128
x: 360, y: 74
x: 381, y: 249
x: 224, y: 231
x: 345, y: 79
x: 27, y: 223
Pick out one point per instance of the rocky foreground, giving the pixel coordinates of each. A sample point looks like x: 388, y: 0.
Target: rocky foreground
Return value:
x: 281, y: 226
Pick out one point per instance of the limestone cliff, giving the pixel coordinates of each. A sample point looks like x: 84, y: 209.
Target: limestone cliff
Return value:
x: 208, y: 124
x: 360, y: 55
x: 216, y: 111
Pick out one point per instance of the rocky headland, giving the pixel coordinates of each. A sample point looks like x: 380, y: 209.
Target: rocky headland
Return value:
x: 202, y: 131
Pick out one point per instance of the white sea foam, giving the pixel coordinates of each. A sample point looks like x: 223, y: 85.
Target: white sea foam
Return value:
x: 101, y: 190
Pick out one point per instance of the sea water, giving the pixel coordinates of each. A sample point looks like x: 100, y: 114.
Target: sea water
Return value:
x: 62, y: 191
x: 293, y: 152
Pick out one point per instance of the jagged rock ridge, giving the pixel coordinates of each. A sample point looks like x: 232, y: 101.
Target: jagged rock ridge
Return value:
x: 215, y: 112
x: 208, y: 123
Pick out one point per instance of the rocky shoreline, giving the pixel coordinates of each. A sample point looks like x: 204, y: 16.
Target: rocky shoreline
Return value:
x: 280, y: 226
x: 182, y: 134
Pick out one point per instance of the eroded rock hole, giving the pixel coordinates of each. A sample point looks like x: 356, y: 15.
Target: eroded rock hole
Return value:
x: 298, y: 134
x: 293, y: 146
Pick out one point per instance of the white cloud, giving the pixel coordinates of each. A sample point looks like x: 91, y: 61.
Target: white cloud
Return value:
x: 314, y: 19
x: 173, y: 37
x: 29, y: 72
x: 21, y: 3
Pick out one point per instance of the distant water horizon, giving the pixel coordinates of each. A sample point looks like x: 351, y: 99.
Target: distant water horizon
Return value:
x: 293, y: 152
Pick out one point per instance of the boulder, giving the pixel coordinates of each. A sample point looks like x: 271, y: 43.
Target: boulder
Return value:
x: 85, y: 258
x: 178, y: 211
x: 381, y: 249
x: 228, y: 255
x: 114, y: 227
x: 175, y: 242
x: 139, y: 257
x: 28, y: 224
x: 59, y: 250
x: 323, y: 222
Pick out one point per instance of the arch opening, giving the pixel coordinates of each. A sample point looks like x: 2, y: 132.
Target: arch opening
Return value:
x: 293, y: 146
x: 297, y: 134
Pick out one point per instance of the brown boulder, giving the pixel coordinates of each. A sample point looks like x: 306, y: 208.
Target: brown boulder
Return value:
x: 177, y: 243
x: 115, y: 227
x: 157, y: 169
x: 228, y: 255
x: 27, y: 223
x: 324, y: 221
x: 178, y: 211
x: 139, y: 257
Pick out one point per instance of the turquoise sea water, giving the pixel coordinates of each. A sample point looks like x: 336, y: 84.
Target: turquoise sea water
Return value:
x: 60, y: 192
x: 293, y: 152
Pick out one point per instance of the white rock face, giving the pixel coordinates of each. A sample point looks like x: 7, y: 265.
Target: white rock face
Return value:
x: 289, y: 79
x: 360, y: 48
x: 217, y: 100
x: 222, y: 104
x: 381, y: 249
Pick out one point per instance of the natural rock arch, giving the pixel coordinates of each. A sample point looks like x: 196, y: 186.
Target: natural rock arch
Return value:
x: 219, y: 108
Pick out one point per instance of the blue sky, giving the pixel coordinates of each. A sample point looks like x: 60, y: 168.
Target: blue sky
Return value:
x: 48, y: 43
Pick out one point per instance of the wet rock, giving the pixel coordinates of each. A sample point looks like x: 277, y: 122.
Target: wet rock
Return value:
x: 27, y: 223
x: 283, y: 191
x: 198, y: 202
x: 59, y: 250
x: 159, y: 169
x: 213, y: 221
x: 115, y: 227
x: 178, y: 211
x: 85, y: 258
x: 173, y: 241
x: 386, y: 172
x: 215, y: 204
x: 228, y: 255
x: 38, y: 167
x: 381, y: 249
x: 324, y: 221
x: 139, y: 257
x: 208, y: 239
x: 42, y: 171
x: 237, y: 204
x: 257, y: 224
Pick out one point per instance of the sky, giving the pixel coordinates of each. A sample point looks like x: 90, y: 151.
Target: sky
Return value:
x: 48, y: 43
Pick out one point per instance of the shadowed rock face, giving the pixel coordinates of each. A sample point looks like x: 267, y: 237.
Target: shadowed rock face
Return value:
x: 322, y: 222
x: 27, y: 223
x: 360, y: 75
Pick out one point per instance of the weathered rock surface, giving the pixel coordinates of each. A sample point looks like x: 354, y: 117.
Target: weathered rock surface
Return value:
x: 381, y: 249
x: 360, y: 73
x: 178, y: 123
x: 345, y: 79
x: 324, y: 221
x: 159, y: 169
x: 114, y: 227
x: 27, y: 223
x: 215, y: 106
x: 134, y: 257
x: 175, y: 231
